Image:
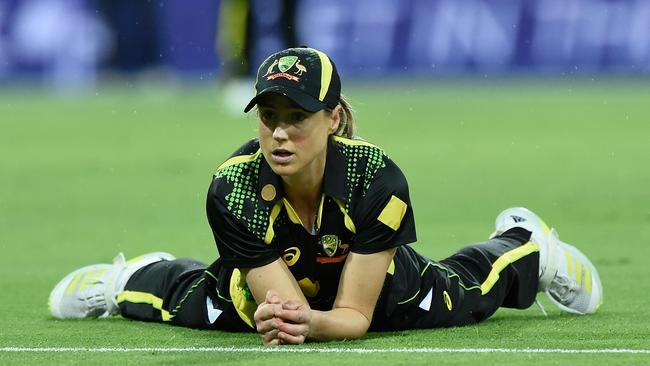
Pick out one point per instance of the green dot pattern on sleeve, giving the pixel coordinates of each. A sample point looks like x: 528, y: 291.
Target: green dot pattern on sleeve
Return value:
x: 363, y: 163
x: 242, y: 201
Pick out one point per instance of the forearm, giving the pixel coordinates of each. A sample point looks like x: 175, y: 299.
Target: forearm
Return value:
x: 355, y: 302
x: 337, y: 324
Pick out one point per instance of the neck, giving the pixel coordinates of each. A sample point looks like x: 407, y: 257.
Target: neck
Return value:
x: 304, y: 191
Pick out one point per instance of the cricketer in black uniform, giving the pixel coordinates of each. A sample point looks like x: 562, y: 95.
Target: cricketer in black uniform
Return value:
x: 365, y: 208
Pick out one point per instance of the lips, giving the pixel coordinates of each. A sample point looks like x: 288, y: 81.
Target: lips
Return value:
x: 281, y: 156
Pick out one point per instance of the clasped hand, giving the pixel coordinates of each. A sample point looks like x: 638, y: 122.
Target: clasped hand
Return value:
x: 282, y: 322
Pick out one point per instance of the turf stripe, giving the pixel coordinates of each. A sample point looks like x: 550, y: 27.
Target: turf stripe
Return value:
x: 320, y: 350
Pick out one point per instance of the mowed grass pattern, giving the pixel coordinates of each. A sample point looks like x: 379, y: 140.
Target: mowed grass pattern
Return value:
x: 127, y: 169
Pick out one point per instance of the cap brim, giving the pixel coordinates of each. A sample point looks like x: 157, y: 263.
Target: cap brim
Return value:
x: 304, y: 101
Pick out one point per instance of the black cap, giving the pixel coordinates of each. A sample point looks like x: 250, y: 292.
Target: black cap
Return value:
x: 305, y: 75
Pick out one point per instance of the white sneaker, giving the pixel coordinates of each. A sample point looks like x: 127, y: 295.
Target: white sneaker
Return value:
x: 81, y: 294
x: 567, y: 276
x: 91, y: 291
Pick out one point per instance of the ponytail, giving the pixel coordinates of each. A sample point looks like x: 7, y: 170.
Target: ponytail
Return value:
x: 346, y: 120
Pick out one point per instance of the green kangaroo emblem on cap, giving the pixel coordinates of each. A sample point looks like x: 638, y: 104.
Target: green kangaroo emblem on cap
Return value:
x: 286, y: 62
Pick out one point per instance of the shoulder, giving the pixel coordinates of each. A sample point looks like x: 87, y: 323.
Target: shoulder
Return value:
x: 238, y: 219
x: 367, y: 163
x: 378, y: 199
x: 235, y: 184
x: 357, y: 147
x: 246, y: 155
x: 241, y: 170
x: 239, y: 174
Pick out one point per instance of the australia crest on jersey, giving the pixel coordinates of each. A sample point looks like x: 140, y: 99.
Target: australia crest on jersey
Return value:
x: 329, y: 244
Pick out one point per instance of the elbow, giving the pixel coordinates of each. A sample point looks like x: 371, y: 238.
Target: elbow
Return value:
x: 358, y: 333
x: 361, y: 327
x: 361, y: 323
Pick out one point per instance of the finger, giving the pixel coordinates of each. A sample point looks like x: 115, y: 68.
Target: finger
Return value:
x: 290, y: 339
x: 270, y: 336
x: 293, y: 329
x: 294, y: 316
x: 266, y: 326
x: 266, y: 311
x: 274, y: 342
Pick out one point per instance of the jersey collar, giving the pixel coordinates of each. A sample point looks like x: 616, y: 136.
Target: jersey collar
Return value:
x: 333, y: 179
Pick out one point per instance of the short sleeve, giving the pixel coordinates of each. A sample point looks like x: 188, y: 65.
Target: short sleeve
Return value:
x: 384, y: 216
x: 237, y: 246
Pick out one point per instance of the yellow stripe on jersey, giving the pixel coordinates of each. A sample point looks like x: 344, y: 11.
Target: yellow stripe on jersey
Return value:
x: 393, y: 213
x: 295, y: 218
x: 291, y: 212
x: 391, y: 267
x: 503, y: 261
x: 319, y: 216
x: 275, y: 211
x: 240, y: 159
x: 138, y: 297
x: 349, y: 224
x: 352, y: 142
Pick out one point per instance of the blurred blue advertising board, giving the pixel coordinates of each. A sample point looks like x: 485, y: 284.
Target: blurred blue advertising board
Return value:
x: 442, y: 36
x: 365, y: 37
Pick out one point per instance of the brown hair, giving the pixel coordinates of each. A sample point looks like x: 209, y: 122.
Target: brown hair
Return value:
x: 347, y: 122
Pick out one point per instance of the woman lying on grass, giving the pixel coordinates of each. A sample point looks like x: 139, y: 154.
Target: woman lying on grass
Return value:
x: 313, y: 227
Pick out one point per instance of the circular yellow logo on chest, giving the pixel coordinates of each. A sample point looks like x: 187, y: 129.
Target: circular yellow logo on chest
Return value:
x: 268, y: 192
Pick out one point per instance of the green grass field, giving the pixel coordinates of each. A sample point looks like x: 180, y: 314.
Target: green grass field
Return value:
x: 127, y: 169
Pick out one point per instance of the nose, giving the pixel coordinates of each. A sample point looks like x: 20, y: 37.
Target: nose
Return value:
x: 279, y: 133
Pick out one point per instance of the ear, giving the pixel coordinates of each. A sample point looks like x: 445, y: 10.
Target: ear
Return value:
x: 335, y: 119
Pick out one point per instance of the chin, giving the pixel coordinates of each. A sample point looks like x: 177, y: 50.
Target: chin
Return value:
x: 283, y: 170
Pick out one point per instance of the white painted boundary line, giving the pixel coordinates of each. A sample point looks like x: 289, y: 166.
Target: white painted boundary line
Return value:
x: 290, y: 349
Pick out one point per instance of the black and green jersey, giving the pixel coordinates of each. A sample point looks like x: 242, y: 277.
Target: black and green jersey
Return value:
x: 365, y: 208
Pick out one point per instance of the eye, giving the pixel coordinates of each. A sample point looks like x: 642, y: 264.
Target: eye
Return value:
x: 268, y: 116
x: 298, y: 117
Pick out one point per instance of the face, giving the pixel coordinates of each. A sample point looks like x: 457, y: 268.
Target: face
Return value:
x: 294, y: 141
